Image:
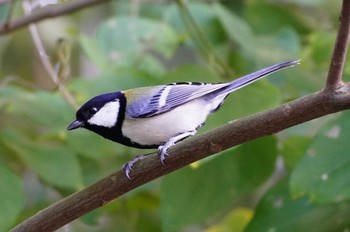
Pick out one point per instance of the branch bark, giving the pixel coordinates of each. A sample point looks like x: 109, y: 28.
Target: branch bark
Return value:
x: 47, y: 12
x: 334, y: 98
x: 335, y: 72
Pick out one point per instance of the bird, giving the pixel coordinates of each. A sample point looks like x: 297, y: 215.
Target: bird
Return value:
x: 159, y: 116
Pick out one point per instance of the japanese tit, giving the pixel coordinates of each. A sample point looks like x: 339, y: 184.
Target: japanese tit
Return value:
x: 159, y: 116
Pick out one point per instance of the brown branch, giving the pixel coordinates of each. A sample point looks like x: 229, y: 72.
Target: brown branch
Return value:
x: 186, y: 152
x: 335, y: 72
x: 47, y: 12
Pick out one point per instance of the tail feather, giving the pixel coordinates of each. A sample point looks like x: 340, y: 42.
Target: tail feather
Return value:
x: 252, y: 77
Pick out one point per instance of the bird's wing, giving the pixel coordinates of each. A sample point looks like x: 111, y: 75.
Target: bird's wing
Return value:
x: 168, y: 97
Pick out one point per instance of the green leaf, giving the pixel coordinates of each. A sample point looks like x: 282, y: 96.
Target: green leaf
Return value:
x: 267, y: 18
x: 293, y: 149
x: 310, y: 3
x: 12, y: 198
x: 309, y: 129
x: 129, y: 42
x: 255, y: 98
x: 97, y: 149
x: 323, y: 172
x: 204, y: 17
x: 235, y: 221
x: 288, y: 40
x: 8, y: 94
x: 277, y: 211
x: 191, y: 72
x: 211, y: 187
x: 121, y: 35
x: 238, y: 29
x: 91, y: 48
x: 281, y: 42
x: 280, y: 45
x: 146, y: 63
x: 42, y: 108
x: 54, y: 164
x: 322, y: 48
x: 4, y: 8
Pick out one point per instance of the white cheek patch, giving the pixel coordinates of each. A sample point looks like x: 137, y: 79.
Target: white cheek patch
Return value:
x: 107, y: 116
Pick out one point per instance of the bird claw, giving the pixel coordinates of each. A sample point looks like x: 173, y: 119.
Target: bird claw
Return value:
x: 162, y: 151
x: 127, y: 167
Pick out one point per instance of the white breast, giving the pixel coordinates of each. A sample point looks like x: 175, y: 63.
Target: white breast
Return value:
x: 160, y: 128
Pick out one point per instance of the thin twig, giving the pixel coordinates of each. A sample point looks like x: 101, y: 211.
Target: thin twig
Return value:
x: 45, y: 60
x: 15, y: 79
x: 47, y: 12
x: 334, y: 79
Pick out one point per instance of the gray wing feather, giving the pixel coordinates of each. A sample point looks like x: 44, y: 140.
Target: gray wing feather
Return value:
x: 164, y: 100
x: 182, y: 94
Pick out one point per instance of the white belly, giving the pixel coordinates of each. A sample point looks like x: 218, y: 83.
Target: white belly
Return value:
x: 160, y: 128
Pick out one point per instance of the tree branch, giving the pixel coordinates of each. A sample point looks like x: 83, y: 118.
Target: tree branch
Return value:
x: 335, y: 72
x: 47, y: 12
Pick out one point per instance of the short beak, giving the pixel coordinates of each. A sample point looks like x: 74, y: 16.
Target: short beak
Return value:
x: 74, y: 125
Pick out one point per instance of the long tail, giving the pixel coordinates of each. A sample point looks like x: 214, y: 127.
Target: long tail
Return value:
x: 252, y: 77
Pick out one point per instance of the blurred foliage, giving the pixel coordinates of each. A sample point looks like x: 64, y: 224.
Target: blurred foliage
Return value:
x: 126, y: 44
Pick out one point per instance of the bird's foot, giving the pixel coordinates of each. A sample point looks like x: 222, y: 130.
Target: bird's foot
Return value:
x: 162, y: 150
x: 127, y: 167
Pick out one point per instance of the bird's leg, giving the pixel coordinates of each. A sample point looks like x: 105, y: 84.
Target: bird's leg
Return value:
x: 127, y: 167
x: 162, y: 150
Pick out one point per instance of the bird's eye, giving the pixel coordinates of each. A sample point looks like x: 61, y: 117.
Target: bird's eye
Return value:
x: 92, y: 110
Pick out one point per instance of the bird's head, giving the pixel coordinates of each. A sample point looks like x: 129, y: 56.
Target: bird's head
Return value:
x: 101, y: 111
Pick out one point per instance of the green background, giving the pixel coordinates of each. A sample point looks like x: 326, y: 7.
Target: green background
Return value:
x: 296, y: 180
